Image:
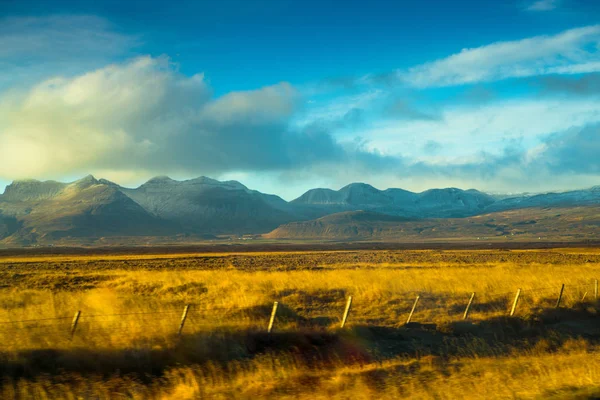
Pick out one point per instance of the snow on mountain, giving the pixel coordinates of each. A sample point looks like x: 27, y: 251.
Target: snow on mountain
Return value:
x: 570, y: 198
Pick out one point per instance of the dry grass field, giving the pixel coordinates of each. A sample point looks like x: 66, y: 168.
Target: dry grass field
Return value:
x: 126, y: 344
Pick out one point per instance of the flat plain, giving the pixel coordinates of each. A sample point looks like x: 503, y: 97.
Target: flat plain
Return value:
x: 126, y: 342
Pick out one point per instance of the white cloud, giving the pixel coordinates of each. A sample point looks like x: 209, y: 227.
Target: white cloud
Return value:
x: 272, y: 103
x: 143, y: 117
x: 543, y: 5
x: 572, y: 51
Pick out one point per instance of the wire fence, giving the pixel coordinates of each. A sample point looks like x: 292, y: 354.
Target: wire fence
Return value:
x: 412, y: 306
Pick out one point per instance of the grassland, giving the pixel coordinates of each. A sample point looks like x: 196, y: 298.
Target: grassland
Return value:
x: 126, y: 343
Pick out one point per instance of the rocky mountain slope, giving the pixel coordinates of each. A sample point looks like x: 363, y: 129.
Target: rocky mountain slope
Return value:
x: 205, y: 205
x: 49, y: 211
x: 45, y: 212
x: 34, y: 212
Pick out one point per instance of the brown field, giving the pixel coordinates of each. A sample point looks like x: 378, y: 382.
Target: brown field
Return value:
x: 126, y: 343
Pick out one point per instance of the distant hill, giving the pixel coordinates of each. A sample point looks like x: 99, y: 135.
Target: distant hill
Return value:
x: 344, y: 225
x: 87, y: 210
x: 566, y: 223
x: 450, y: 202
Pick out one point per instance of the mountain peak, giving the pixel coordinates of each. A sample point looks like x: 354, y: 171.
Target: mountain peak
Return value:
x: 88, y: 178
x: 161, y: 179
x: 364, y: 194
x: 359, y: 186
x: 319, y: 196
x: 85, y: 182
x: 204, y: 180
x: 201, y: 180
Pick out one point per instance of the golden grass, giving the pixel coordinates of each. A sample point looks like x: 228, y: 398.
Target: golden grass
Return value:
x: 225, y: 354
x: 571, y: 372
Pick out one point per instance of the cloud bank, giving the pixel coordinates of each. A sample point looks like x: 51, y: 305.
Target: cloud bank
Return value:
x: 145, y: 116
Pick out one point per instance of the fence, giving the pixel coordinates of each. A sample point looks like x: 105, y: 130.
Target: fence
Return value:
x: 419, y: 303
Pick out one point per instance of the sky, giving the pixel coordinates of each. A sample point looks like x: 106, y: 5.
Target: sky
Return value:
x: 285, y: 95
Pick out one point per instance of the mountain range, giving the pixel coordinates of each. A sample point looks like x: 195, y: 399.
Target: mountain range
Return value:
x: 90, y: 210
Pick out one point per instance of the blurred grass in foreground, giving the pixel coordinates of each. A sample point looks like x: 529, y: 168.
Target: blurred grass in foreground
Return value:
x: 126, y: 342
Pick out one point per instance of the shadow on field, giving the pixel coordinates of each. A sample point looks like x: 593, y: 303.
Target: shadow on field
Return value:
x: 545, y: 330
x: 215, y: 347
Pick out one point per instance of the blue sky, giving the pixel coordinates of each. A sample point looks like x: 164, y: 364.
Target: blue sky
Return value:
x: 287, y: 95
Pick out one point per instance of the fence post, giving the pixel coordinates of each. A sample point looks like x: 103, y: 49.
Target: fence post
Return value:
x: 74, y: 323
x: 412, y: 311
x: 183, y: 318
x: 515, y: 302
x: 466, y: 314
x: 272, y: 320
x: 596, y: 289
x: 346, y: 311
x: 562, y: 288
